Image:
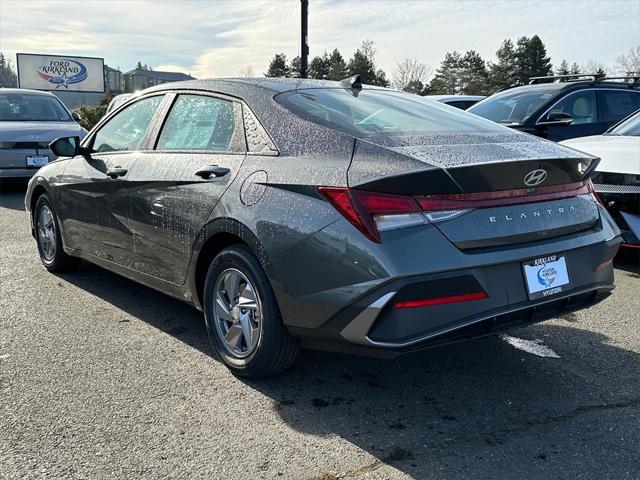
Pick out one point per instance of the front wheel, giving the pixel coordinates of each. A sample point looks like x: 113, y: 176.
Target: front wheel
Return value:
x: 242, y: 316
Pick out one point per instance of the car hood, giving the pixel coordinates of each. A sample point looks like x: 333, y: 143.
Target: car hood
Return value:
x: 619, y: 154
x: 39, y: 131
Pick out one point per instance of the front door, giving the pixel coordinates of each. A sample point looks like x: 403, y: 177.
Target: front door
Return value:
x: 583, y: 108
x: 94, y: 197
x: 199, y: 151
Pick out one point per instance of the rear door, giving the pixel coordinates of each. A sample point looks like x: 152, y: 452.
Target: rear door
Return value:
x: 618, y: 104
x: 199, y: 148
x: 94, y: 199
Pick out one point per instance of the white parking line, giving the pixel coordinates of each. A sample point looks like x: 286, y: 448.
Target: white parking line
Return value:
x: 534, y: 347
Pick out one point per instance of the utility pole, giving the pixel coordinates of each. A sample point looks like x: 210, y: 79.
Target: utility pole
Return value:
x: 304, y: 51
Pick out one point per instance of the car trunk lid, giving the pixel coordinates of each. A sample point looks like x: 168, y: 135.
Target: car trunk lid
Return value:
x: 507, y: 188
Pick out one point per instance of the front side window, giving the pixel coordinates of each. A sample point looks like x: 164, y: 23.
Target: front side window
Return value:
x: 582, y: 107
x: 17, y: 107
x: 376, y: 112
x: 125, y: 131
x: 619, y: 104
x: 514, y: 106
x: 198, y: 122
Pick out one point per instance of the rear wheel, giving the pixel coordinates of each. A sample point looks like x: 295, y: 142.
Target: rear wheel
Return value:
x: 242, y: 316
x: 48, y: 237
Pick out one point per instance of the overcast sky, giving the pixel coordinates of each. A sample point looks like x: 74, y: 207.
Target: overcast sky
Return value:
x: 211, y: 38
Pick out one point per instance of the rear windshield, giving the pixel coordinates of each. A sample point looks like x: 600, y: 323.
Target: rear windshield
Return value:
x: 15, y: 107
x: 630, y: 127
x: 513, y: 107
x: 374, y: 112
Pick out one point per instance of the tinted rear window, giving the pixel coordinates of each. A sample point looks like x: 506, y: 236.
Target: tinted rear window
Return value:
x: 619, y: 104
x: 375, y: 112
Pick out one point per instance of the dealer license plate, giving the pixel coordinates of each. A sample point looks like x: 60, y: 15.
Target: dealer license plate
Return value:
x: 37, y: 160
x: 546, y: 276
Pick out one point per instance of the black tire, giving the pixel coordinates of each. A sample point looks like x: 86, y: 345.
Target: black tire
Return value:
x: 59, y: 261
x: 276, y: 349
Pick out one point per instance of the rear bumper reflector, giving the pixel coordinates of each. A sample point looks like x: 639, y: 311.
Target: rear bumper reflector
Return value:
x: 427, y: 302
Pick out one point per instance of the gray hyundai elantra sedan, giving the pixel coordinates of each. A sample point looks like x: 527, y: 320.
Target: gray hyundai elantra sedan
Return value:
x: 327, y: 215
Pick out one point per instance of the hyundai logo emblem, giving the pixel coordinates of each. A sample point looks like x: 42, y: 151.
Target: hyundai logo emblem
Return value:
x: 535, y: 177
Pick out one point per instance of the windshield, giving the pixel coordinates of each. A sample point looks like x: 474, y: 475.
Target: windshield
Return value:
x: 374, y: 112
x: 16, y: 107
x: 512, y: 107
x: 630, y: 127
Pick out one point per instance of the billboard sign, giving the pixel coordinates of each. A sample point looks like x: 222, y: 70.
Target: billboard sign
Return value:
x: 60, y: 73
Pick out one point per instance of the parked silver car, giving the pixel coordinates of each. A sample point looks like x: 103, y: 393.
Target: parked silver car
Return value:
x: 29, y: 121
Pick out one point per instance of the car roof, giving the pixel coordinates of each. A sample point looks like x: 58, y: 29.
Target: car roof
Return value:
x: 560, y: 86
x: 275, y: 85
x: 25, y: 91
x: 442, y: 98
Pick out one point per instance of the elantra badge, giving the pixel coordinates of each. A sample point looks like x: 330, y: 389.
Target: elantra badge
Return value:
x: 535, y: 177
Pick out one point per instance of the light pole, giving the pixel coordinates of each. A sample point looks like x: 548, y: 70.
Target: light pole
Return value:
x: 304, y: 51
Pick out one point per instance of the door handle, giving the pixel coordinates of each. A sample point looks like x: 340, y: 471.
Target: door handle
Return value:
x: 215, y: 170
x: 115, y: 172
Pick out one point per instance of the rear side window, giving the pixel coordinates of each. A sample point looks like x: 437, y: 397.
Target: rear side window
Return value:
x: 125, y: 131
x: 197, y: 122
x: 619, y: 104
x: 582, y: 106
x: 376, y: 112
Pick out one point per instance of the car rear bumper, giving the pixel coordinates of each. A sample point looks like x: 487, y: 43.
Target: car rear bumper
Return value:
x: 374, y: 325
x: 17, y: 172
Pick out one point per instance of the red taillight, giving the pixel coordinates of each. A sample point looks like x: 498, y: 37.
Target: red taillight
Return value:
x: 427, y: 302
x: 499, y: 198
x: 362, y: 208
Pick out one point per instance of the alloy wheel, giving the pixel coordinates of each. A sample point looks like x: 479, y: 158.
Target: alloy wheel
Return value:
x: 237, y: 313
x: 46, y: 229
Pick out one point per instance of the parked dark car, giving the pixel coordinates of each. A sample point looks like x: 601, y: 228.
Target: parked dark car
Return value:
x: 569, y: 107
x: 327, y: 215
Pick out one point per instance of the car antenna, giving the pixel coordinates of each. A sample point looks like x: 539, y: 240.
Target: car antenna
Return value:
x: 352, y: 82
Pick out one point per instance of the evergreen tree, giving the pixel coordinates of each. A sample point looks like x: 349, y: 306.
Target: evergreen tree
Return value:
x: 531, y: 59
x: 417, y: 87
x: 473, y: 74
x: 8, y: 77
x: 337, y: 66
x: 363, y: 64
x: 319, y: 67
x: 503, y: 73
x: 563, y: 69
x: 278, y: 66
x: 575, y: 69
x: 447, y: 78
x: 294, y: 68
x: 139, y: 66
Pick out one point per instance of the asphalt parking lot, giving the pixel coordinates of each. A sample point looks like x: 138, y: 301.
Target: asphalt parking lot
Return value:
x: 101, y: 378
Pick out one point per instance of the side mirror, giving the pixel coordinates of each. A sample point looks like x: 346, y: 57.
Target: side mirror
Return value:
x: 556, y: 118
x: 76, y: 116
x: 65, y: 146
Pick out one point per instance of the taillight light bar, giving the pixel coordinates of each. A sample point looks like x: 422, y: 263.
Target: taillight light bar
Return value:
x: 503, y: 197
x: 427, y: 302
x: 372, y: 212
